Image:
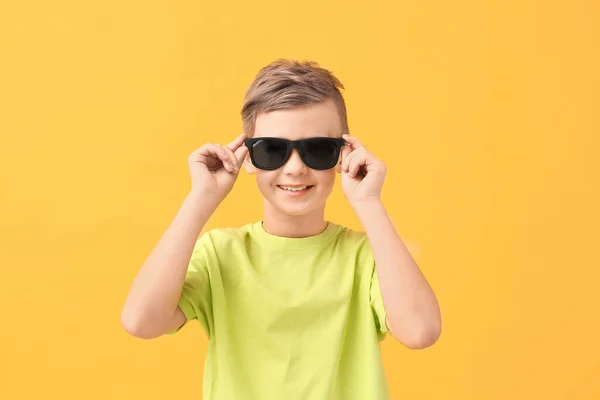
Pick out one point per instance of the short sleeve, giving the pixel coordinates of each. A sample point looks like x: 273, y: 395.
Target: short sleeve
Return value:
x: 377, y: 306
x: 196, y: 298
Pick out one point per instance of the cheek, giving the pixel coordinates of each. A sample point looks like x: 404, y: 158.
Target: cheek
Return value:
x: 265, y: 179
x: 326, y: 179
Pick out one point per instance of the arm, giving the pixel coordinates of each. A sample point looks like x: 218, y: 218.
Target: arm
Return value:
x: 151, y: 307
x: 413, y: 314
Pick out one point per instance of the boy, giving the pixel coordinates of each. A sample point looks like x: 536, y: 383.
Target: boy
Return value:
x: 294, y: 306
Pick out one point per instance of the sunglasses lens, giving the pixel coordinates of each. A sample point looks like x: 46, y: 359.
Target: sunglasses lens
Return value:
x: 320, y: 153
x: 269, y: 153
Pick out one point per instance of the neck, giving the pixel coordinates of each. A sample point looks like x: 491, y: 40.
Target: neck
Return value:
x: 278, y: 223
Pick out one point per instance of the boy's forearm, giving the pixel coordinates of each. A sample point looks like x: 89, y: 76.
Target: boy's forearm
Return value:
x: 410, y: 303
x: 156, y: 289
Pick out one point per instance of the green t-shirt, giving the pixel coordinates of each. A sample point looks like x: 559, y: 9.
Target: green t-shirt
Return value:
x: 287, y: 318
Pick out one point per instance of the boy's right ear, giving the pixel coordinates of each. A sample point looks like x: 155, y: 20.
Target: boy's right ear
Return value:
x: 250, y: 168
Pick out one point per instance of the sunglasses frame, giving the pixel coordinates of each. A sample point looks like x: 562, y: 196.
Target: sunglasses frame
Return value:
x: 291, y: 145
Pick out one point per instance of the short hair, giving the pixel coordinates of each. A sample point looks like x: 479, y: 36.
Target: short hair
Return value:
x: 287, y: 84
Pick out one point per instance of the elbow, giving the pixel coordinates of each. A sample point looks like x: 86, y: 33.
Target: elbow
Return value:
x: 422, y: 341
x: 135, y: 326
x: 422, y: 337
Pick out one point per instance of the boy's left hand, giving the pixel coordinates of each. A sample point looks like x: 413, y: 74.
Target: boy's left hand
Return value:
x: 362, y: 173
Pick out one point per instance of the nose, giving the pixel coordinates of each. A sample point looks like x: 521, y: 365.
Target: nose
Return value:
x: 294, y: 165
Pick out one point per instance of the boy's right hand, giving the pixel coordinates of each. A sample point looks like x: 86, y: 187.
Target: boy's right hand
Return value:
x: 214, y: 168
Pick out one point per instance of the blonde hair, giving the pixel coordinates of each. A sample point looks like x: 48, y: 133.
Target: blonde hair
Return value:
x: 286, y: 84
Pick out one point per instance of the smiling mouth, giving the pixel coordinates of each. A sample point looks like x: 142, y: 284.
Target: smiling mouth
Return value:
x: 295, y: 188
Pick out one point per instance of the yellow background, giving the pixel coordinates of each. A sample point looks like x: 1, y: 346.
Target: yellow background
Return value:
x: 486, y: 112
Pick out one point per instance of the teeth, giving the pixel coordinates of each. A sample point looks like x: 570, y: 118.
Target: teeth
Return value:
x: 293, y: 189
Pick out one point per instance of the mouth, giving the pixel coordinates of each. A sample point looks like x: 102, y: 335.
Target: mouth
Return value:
x: 295, y: 189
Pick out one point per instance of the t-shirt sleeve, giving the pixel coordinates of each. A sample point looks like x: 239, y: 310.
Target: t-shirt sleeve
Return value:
x: 377, y: 305
x: 196, y: 299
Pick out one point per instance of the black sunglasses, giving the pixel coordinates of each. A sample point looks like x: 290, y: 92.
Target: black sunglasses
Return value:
x: 270, y: 153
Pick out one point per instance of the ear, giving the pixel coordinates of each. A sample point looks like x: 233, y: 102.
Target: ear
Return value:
x: 250, y: 168
x: 338, y: 167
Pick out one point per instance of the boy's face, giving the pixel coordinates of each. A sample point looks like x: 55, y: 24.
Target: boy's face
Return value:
x: 317, y: 120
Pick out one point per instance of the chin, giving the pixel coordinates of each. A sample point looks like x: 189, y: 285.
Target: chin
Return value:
x: 295, y: 207
x: 295, y: 204
x: 296, y: 210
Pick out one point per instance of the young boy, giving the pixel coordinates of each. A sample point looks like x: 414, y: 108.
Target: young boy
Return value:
x: 294, y: 306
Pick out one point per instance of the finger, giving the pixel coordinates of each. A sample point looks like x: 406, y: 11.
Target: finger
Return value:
x: 346, y: 150
x: 358, y: 161
x: 228, y: 161
x: 232, y: 159
x: 237, y: 142
x: 354, y: 142
x: 348, y: 160
x: 218, y: 152
x: 240, y: 154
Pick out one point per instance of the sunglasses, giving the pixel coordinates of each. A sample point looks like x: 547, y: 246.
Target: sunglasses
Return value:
x: 318, y: 153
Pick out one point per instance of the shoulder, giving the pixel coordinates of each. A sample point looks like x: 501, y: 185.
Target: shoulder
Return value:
x: 356, y: 243
x: 353, y: 238
x: 218, y: 237
x: 230, y: 233
x: 219, y: 245
x: 219, y: 240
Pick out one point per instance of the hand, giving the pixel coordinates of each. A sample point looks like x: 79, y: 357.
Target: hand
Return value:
x: 362, y: 173
x: 215, y: 168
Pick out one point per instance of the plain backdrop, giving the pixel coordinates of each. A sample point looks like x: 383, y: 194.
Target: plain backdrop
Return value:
x: 486, y: 113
